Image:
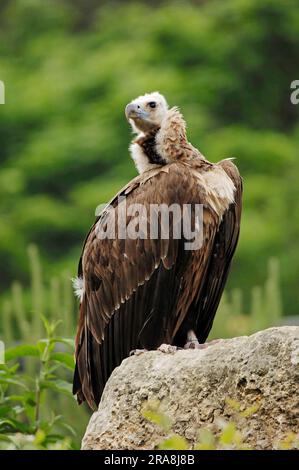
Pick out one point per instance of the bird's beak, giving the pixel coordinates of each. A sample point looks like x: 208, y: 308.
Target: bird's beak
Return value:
x: 133, y: 111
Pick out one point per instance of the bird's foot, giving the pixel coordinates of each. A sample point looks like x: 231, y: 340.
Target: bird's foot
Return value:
x: 167, y: 348
x: 194, y: 344
x: 137, y: 352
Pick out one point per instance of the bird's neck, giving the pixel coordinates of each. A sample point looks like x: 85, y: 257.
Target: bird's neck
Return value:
x: 147, y: 143
x: 171, y: 140
x: 165, y: 144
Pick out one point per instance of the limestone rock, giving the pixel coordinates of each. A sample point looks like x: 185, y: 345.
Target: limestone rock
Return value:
x: 193, y: 388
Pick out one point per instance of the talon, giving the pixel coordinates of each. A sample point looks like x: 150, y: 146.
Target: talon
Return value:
x: 167, y: 348
x: 137, y: 352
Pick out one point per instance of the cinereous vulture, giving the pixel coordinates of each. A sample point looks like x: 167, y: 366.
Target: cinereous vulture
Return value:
x: 153, y: 291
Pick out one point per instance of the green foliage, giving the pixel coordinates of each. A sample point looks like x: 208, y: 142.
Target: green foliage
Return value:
x: 152, y: 413
x: 26, y: 420
x: 221, y: 435
x: 21, y: 329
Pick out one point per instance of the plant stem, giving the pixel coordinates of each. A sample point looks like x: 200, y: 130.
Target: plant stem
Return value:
x: 37, y: 399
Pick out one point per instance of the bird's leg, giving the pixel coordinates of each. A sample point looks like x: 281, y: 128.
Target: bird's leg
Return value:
x: 193, y: 343
x: 137, y: 352
x: 167, y: 348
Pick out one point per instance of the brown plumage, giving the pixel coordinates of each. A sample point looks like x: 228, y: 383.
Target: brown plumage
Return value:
x: 144, y: 292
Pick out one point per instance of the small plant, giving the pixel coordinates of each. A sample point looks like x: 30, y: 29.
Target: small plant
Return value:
x: 25, y: 421
x: 228, y: 437
x: 22, y: 326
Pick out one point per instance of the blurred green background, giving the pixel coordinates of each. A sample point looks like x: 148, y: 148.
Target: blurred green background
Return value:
x: 70, y: 67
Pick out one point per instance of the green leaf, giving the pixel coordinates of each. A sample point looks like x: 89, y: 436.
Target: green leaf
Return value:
x: 4, y: 423
x: 206, y: 440
x: 228, y: 434
x: 21, y: 351
x: 42, y: 344
x: 174, y: 442
x: 27, y: 397
x: 233, y: 404
x: 9, y: 381
x: 4, y: 410
x: 157, y: 418
x: 9, y: 370
x: 250, y: 411
x: 57, y: 385
x: 64, y: 358
x: 15, y: 425
x: 50, y: 327
x: 40, y: 437
x: 68, y: 341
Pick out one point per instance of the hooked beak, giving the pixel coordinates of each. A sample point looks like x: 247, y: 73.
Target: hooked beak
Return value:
x: 133, y: 111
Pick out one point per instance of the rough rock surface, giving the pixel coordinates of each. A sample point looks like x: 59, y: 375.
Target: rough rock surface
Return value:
x: 193, y: 387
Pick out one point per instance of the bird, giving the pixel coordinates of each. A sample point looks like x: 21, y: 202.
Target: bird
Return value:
x: 140, y: 293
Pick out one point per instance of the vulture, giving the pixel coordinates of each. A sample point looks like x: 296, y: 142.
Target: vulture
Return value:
x: 152, y: 291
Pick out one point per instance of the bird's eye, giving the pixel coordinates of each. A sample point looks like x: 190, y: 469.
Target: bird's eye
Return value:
x: 152, y: 104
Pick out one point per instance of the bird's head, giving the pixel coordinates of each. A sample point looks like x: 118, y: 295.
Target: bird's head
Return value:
x: 145, y: 113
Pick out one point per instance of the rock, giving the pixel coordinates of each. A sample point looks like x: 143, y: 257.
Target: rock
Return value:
x: 195, y: 388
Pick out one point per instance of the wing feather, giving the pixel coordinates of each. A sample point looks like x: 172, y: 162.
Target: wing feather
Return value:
x: 205, y: 305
